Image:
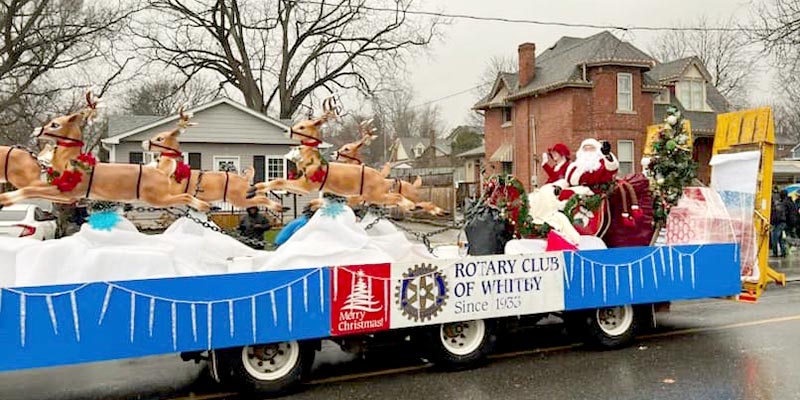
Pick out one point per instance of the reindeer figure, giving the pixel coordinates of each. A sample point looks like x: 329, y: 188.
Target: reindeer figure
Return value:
x: 350, y: 154
x: 21, y: 168
x: 340, y: 179
x: 110, y: 182
x: 213, y: 186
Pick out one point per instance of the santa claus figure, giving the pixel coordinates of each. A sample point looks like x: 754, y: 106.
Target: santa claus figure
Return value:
x: 594, y: 165
x: 557, y: 169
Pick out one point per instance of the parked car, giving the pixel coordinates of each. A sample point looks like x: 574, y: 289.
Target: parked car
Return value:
x: 27, y: 220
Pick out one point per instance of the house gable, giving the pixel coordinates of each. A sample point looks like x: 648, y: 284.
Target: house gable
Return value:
x: 221, y: 121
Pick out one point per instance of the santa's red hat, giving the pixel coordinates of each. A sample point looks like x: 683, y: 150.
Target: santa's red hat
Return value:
x: 559, y: 148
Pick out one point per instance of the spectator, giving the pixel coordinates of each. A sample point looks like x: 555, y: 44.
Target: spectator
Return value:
x: 781, y: 213
x: 253, y: 225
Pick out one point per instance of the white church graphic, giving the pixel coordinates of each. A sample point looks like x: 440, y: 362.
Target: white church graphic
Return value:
x: 361, y: 298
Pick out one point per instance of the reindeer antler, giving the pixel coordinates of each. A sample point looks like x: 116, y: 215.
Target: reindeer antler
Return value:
x: 183, y: 121
x: 331, y: 108
x: 367, y: 131
x: 90, y: 111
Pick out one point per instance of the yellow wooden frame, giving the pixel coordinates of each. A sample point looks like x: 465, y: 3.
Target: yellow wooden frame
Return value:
x: 746, y: 131
x: 652, y: 136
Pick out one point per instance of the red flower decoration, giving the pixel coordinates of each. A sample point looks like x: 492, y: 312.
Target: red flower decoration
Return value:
x: 182, y: 171
x: 67, y: 181
x: 87, y: 159
x: 318, y: 175
x: 628, y: 221
x: 636, y: 212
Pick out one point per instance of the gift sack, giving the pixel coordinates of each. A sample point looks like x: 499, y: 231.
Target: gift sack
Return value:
x: 486, y: 232
x: 631, y: 210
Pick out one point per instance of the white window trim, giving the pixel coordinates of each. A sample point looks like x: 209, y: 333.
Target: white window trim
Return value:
x: 664, y: 92
x: 266, y: 166
x: 633, y: 154
x: 503, y: 122
x: 688, y: 107
x: 237, y: 158
x: 149, y: 157
x: 630, y: 76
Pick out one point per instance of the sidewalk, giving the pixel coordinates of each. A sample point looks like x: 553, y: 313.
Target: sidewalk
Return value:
x: 789, y: 265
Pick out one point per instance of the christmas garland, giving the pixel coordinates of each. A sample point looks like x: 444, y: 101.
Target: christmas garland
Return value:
x: 508, y: 195
x: 69, y: 179
x: 591, y: 202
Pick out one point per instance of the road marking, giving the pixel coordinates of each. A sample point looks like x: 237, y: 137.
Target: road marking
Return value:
x: 395, y: 371
x: 722, y: 327
x: 361, y: 375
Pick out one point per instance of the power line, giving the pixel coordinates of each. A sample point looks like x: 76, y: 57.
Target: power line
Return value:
x: 538, y: 22
x: 436, y: 100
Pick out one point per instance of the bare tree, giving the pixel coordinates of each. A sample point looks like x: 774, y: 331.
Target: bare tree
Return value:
x: 164, y: 96
x: 278, y: 53
x: 778, y: 30
x: 491, y: 72
x: 726, y: 54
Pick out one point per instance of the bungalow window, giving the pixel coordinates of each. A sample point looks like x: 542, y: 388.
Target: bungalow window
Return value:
x: 625, y: 156
x: 624, y: 92
x: 193, y: 159
x: 662, y: 97
x: 506, y: 115
x: 276, y: 168
x: 692, y: 94
x: 136, y: 157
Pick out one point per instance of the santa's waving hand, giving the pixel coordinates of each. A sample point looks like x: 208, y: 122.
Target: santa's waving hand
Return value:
x: 594, y: 165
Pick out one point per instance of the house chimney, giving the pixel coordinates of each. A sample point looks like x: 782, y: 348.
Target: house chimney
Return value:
x: 527, y: 63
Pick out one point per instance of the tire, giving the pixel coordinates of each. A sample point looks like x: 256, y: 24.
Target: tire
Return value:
x: 461, y: 345
x: 269, y: 369
x: 611, y: 327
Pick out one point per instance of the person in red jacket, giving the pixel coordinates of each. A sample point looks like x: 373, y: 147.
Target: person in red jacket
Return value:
x: 558, y: 168
x: 594, y: 165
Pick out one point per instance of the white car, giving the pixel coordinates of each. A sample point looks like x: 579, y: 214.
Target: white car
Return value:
x: 28, y: 221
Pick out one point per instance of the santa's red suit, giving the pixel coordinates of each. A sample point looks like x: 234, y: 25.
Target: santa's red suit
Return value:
x: 559, y: 170
x: 588, y: 170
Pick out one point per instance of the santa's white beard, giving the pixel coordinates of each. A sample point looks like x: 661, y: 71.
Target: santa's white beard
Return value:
x: 587, y: 161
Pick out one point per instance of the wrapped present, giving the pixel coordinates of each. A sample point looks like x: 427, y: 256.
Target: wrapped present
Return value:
x: 699, y: 217
x: 704, y: 216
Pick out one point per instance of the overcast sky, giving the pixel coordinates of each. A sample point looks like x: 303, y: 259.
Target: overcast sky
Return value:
x: 456, y: 62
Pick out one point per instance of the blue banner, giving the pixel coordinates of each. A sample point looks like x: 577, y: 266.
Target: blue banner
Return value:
x: 54, y: 325
x: 640, y: 275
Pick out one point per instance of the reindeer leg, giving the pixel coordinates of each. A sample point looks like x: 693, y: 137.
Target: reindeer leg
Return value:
x: 183, y: 198
x: 430, y: 208
x: 258, y: 201
x: 392, y: 199
x: 40, y: 192
x: 299, y: 186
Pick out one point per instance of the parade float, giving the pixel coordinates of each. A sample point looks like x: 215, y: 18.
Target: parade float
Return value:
x: 600, y: 250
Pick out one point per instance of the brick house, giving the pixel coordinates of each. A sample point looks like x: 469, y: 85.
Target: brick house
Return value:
x: 598, y: 87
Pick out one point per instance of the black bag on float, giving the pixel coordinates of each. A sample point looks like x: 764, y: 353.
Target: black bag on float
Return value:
x: 486, y: 232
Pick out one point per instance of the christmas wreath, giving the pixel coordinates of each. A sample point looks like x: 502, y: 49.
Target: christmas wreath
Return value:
x: 506, y: 194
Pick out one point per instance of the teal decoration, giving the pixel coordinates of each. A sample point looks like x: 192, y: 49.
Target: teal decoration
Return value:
x: 332, y: 209
x: 104, y: 220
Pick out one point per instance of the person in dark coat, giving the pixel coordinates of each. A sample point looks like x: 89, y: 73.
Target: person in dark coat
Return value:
x: 782, y: 210
x: 253, y: 225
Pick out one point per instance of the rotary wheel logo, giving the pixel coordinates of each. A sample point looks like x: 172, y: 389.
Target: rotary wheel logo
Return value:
x: 422, y: 293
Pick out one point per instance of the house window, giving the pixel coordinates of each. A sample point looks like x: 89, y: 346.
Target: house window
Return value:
x: 226, y: 163
x: 136, y: 157
x: 624, y: 92
x: 418, y: 149
x: 625, y: 156
x: 276, y: 168
x: 506, y: 115
x: 692, y: 94
x: 508, y: 168
x: 193, y: 159
x: 662, y: 97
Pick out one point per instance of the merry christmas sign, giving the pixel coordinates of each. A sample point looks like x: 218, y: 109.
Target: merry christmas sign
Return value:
x: 360, y: 299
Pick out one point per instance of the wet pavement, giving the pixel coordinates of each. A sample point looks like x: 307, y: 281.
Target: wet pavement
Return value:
x: 709, y: 349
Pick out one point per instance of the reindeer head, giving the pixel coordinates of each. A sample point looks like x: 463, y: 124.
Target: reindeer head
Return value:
x: 66, y: 129
x: 351, y: 151
x: 309, y: 130
x: 167, y: 142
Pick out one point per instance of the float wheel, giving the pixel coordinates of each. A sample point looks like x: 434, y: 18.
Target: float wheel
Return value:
x: 461, y: 345
x: 611, y: 327
x: 271, y: 369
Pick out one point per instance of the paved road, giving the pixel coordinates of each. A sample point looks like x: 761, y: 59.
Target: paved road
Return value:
x: 709, y: 349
